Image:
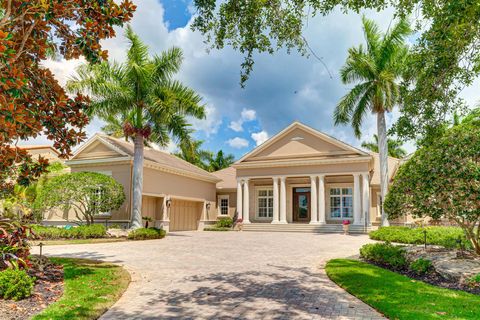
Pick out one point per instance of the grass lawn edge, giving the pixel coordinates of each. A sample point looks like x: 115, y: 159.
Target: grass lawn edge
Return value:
x: 398, y: 297
x: 91, y: 287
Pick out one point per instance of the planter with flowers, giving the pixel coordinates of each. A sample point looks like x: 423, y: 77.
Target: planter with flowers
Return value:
x: 346, y: 226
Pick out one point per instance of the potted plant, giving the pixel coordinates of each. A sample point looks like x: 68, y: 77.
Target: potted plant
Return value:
x: 346, y: 226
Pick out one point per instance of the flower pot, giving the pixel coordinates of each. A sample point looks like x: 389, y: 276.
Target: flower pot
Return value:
x: 346, y: 228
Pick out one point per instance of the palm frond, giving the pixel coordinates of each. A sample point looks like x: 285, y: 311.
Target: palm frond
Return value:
x: 167, y: 64
x: 345, y: 108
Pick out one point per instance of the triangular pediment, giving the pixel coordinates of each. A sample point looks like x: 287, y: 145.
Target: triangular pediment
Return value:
x: 299, y: 141
x: 97, y: 148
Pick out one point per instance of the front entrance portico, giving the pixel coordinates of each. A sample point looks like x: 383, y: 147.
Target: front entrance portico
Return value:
x: 312, y: 199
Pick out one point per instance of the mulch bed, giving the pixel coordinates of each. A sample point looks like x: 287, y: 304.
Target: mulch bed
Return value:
x: 48, y: 289
x: 432, y: 277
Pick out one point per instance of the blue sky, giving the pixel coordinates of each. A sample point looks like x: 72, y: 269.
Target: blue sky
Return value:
x: 282, y: 87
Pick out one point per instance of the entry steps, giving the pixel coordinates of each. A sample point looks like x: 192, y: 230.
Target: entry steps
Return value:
x: 305, y: 227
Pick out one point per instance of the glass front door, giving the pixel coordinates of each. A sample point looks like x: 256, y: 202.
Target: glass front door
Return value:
x: 301, y: 204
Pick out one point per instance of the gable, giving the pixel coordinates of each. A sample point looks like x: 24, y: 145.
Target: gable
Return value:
x: 97, y: 150
x: 301, y: 142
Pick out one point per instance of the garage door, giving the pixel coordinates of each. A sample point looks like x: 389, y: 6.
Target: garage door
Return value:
x: 184, y: 215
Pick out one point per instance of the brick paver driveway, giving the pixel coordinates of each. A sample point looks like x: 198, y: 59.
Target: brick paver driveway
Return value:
x: 230, y: 275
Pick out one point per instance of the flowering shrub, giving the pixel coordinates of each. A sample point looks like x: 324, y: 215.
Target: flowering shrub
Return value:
x: 346, y: 222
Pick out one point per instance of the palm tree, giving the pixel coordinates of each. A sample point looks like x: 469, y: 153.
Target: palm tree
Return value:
x: 221, y: 161
x: 143, y: 93
x: 375, y: 71
x: 394, y: 147
x: 190, y: 151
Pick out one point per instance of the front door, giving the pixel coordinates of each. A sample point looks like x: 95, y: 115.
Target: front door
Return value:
x: 301, y: 204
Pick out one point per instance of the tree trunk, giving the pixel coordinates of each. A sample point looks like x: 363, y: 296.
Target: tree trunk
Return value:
x: 383, y: 155
x: 137, y: 182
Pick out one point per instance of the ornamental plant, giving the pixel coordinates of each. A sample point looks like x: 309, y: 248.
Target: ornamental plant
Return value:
x: 31, y: 100
x: 15, y: 284
x: 442, y: 180
x: 14, y: 246
x: 86, y: 194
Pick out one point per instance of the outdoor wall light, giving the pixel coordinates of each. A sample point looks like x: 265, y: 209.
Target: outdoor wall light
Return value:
x: 168, y: 203
x: 208, y: 205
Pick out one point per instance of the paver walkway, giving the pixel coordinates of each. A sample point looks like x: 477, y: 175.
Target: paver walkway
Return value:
x: 230, y: 275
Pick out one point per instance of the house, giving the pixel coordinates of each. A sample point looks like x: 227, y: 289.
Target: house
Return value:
x: 176, y: 194
x: 303, y: 180
x: 45, y: 151
x: 299, y: 180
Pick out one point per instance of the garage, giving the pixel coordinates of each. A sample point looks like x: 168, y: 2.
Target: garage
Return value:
x: 184, y: 215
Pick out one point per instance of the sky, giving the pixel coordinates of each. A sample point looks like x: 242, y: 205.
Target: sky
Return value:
x: 282, y: 87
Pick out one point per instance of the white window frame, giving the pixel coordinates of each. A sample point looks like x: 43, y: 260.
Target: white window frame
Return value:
x: 220, y: 198
x: 257, y: 197
x: 341, y: 195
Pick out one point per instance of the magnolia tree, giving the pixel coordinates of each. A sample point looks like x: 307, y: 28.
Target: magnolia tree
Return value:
x: 87, y: 194
x: 442, y: 181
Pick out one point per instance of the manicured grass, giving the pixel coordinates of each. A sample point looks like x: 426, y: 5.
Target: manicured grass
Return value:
x: 77, y: 241
x: 399, y: 297
x: 91, y: 287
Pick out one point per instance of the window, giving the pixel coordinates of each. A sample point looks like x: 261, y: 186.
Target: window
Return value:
x: 223, y: 205
x: 264, y: 203
x: 341, y: 203
x: 98, y: 195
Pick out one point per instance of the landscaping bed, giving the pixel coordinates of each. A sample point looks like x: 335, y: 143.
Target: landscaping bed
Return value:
x: 400, y: 297
x: 437, y: 266
x: 69, y: 289
x: 47, y: 289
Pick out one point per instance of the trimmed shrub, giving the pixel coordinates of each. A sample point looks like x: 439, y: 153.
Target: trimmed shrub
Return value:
x: 226, y: 222
x: 15, y: 284
x: 421, y: 266
x: 146, y: 233
x: 442, y: 236
x: 384, y: 254
x: 80, y: 232
x: 215, y: 228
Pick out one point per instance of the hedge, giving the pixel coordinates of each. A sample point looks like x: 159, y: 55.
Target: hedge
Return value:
x: 146, y: 233
x: 442, y: 236
x: 80, y: 232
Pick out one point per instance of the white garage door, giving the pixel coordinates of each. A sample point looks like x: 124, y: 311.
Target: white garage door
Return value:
x: 184, y: 215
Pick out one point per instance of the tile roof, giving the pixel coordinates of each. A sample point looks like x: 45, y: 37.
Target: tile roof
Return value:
x: 160, y: 157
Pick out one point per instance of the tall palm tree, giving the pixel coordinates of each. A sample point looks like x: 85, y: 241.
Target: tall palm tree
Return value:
x: 143, y: 91
x: 221, y: 161
x: 375, y: 71
x: 394, y: 147
x: 190, y: 151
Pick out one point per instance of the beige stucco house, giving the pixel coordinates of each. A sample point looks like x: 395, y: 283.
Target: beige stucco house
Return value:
x: 299, y: 180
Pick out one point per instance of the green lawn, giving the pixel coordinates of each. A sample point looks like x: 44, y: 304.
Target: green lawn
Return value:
x: 399, y: 297
x: 91, y: 287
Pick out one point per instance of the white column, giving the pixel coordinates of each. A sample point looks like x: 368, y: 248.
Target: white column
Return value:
x: 357, y: 202
x: 246, y: 202
x: 239, y: 199
x: 275, y: 201
x: 313, y: 200
x: 366, y: 198
x: 321, y: 199
x: 283, y: 201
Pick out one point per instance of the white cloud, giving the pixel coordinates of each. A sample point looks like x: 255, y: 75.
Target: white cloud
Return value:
x: 245, y: 116
x: 210, y: 124
x: 238, y: 143
x: 260, y: 137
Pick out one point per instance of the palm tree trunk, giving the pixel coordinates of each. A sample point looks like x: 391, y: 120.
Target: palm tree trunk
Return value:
x: 137, y: 182
x: 383, y: 152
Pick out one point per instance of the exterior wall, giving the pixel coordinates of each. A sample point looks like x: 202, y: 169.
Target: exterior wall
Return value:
x: 97, y: 151
x: 156, y: 182
x: 346, y: 168
x: 152, y: 207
